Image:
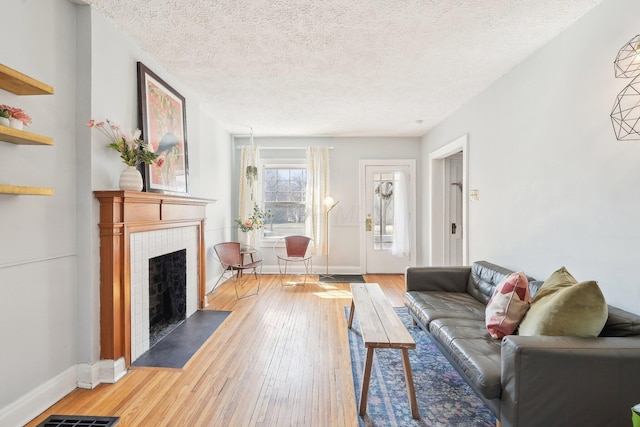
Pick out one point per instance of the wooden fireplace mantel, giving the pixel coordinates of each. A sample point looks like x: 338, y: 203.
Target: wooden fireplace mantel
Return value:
x: 123, y: 213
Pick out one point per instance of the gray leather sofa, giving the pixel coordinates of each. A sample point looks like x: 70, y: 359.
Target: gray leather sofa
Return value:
x: 529, y: 381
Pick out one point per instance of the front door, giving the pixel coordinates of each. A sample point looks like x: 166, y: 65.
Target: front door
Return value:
x: 388, y: 217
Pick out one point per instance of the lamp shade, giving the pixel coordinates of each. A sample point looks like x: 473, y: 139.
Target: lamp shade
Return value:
x: 625, y: 115
x: 627, y: 63
x: 328, y: 201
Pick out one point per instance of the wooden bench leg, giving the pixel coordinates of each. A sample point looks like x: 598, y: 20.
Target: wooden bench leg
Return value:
x: 411, y: 391
x: 366, y: 376
x: 353, y: 309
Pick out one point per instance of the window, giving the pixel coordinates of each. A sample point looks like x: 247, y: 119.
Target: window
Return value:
x: 284, y: 196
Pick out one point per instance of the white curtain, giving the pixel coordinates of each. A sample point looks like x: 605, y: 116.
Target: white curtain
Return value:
x: 248, y: 180
x: 401, y: 245
x: 317, y: 190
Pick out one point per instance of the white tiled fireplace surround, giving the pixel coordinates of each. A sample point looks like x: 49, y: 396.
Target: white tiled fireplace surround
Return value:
x: 150, y: 244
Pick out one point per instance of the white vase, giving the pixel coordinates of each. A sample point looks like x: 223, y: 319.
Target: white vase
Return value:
x: 130, y: 179
x: 16, y: 124
x: 4, y: 121
x: 245, y: 238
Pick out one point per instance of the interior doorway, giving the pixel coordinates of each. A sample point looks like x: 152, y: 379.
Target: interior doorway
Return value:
x: 448, y: 184
x: 453, y: 208
x: 388, y: 206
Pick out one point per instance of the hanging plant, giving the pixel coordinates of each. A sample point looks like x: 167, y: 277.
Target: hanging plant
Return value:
x: 251, y: 174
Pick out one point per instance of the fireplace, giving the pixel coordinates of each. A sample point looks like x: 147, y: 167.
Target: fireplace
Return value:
x: 167, y: 294
x: 135, y: 227
x: 178, y: 246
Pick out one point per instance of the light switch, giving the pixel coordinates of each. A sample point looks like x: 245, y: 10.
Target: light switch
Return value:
x: 474, y: 194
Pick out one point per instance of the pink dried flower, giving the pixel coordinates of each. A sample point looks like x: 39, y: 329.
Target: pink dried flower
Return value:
x: 132, y: 149
x: 17, y: 113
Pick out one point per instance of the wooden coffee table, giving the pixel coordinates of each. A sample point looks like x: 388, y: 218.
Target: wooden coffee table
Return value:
x: 381, y: 327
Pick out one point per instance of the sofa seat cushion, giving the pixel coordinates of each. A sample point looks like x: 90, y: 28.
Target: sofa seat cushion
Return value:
x: 430, y: 305
x: 473, y: 352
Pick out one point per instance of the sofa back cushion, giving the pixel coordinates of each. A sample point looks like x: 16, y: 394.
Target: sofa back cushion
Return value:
x: 565, y: 307
x: 508, y: 305
x: 620, y: 323
x: 534, y: 285
x: 484, y: 278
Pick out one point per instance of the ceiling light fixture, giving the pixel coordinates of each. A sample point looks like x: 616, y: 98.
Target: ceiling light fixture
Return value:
x: 625, y: 115
x: 627, y: 63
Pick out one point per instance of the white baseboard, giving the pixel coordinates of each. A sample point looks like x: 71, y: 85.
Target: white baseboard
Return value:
x: 39, y: 399
x: 105, y: 371
x: 320, y: 269
x: 88, y: 376
x: 112, y: 370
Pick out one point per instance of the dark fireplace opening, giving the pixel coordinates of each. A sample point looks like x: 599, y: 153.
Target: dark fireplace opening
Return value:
x: 167, y: 294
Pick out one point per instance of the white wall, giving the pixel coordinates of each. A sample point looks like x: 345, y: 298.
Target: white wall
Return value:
x: 556, y: 188
x: 215, y: 176
x: 344, y: 164
x: 49, y: 262
x: 38, y: 288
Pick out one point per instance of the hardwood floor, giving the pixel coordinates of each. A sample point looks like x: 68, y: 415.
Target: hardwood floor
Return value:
x: 280, y: 359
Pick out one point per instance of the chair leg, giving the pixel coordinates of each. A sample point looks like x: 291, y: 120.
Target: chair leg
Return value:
x: 280, y: 271
x: 218, y: 281
x: 307, y: 269
x: 304, y: 281
x: 282, y: 274
x: 247, y: 277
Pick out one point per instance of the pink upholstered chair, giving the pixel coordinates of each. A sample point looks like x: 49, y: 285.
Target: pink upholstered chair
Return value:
x: 292, y: 249
x: 238, y: 259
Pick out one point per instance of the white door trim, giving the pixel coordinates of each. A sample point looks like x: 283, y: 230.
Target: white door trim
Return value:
x: 411, y: 163
x: 437, y: 195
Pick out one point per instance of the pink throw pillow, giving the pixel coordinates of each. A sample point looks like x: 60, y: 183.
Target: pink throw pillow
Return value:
x: 508, y: 305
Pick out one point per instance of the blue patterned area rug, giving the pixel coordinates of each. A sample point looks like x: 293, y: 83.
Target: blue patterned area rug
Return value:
x: 444, y: 398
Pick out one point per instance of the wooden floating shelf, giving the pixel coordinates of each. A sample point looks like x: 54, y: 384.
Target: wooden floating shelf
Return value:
x: 28, y: 191
x: 15, y: 82
x: 22, y: 137
x: 20, y: 84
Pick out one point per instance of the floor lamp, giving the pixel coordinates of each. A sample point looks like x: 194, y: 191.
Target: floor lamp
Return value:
x: 329, y: 204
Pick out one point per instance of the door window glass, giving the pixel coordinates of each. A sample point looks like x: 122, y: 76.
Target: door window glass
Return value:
x: 383, y: 211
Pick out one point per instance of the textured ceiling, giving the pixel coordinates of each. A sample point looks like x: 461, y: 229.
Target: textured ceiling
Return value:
x: 339, y: 67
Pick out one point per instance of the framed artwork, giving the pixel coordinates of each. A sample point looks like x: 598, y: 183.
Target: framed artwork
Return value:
x: 162, y: 116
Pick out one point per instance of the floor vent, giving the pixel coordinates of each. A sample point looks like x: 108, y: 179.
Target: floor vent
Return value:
x: 78, y: 421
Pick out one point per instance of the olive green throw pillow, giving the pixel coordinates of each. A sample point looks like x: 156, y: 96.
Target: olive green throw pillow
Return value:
x: 564, y: 307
